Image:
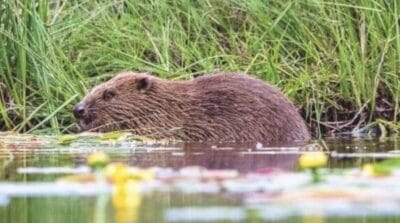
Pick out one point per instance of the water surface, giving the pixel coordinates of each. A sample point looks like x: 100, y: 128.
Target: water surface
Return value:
x: 31, y: 165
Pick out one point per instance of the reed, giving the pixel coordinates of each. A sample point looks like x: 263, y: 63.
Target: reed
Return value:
x: 333, y: 58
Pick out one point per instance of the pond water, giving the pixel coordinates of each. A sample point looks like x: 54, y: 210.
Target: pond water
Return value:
x: 199, y: 182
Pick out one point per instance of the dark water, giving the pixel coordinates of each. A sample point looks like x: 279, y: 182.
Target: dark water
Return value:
x: 48, y: 206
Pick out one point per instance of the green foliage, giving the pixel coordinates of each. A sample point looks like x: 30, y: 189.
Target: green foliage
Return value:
x: 38, y: 79
x: 320, y: 53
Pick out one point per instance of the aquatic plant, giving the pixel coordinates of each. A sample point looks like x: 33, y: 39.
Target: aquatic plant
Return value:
x: 312, y: 161
x: 38, y: 80
x: 98, y: 160
x: 383, y: 168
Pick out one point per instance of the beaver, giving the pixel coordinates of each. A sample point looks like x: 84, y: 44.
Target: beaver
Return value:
x: 222, y: 107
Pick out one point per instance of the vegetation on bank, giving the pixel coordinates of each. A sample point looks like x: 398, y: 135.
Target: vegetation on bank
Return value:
x: 338, y: 60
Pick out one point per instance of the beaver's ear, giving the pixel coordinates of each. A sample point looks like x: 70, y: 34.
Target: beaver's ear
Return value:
x: 144, y: 84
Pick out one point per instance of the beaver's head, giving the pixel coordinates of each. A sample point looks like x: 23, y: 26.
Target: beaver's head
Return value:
x: 119, y: 103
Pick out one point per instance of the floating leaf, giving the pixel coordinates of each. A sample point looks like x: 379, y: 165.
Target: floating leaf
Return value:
x: 67, y: 139
x: 375, y: 170
x: 116, y: 135
x: 390, y: 163
x: 142, y: 138
x: 383, y: 168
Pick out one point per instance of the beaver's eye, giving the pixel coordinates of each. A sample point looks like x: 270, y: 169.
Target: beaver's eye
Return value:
x: 107, y: 95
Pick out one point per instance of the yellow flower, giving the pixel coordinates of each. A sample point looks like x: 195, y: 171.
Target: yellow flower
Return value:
x: 375, y: 170
x: 98, y: 160
x: 127, y: 200
x: 118, y: 172
x: 313, y: 160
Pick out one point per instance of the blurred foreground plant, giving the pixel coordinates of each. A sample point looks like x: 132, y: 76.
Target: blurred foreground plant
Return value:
x: 313, y: 161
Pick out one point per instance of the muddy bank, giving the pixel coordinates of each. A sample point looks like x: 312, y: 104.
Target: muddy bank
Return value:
x: 347, y: 118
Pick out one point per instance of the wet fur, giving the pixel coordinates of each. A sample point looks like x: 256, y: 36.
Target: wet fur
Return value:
x: 220, y: 107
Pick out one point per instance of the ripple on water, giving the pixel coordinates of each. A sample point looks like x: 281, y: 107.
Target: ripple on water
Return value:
x: 30, y: 164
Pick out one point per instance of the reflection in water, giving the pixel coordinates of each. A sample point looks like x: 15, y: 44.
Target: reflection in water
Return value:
x: 273, y: 213
x: 127, y: 200
x: 127, y: 205
x: 215, y: 159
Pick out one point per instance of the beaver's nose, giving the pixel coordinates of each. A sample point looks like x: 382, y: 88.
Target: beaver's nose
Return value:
x: 79, y: 110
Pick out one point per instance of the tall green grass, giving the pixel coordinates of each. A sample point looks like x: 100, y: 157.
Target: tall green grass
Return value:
x: 38, y: 79
x: 328, y: 57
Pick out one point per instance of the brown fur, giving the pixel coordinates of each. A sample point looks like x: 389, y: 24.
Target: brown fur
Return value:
x: 220, y: 107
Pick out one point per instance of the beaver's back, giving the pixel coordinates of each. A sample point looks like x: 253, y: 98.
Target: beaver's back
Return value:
x: 216, y: 108
x: 237, y: 107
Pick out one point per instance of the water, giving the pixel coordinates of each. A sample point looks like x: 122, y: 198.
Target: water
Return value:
x: 260, y: 183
